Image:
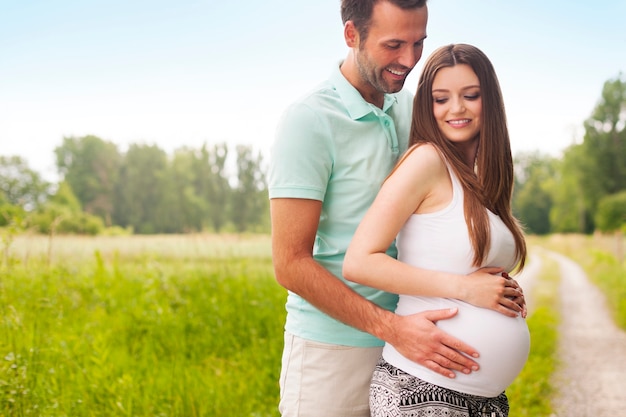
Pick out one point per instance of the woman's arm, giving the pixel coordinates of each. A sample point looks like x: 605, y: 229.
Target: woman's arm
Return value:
x: 421, y: 183
x: 294, y: 222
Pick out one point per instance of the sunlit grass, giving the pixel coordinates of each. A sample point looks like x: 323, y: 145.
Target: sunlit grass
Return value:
x: 189, y: 325
x: 193, y: 246
x: 140, y: 332
x: 602, y: 258
x: 529, y: 395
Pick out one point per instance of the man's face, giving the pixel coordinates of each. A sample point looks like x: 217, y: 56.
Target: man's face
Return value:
x: 393, y: 46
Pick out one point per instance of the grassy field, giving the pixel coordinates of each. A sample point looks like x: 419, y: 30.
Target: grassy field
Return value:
x: 529, y: 395
x: 602, y: 258
x: 174, y: 326
x: 161, y: 326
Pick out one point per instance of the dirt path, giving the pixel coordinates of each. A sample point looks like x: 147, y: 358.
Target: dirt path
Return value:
x: 592, y: 350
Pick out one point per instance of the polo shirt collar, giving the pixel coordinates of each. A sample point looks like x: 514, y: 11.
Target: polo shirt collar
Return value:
x: 353, y: 100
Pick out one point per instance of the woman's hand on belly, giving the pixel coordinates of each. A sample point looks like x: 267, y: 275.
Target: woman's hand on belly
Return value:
x: 520, y: 299
x: 488, y: 288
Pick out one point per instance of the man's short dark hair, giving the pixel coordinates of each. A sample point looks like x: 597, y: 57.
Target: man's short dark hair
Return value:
x: 360, y: 12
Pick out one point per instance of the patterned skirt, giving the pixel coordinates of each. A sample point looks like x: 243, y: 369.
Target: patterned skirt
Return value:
x: 394, y: 393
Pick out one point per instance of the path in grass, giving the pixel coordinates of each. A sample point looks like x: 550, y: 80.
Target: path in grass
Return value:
x: 592, y: 350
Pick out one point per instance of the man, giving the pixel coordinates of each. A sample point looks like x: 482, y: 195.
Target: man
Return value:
x: 332, y: 151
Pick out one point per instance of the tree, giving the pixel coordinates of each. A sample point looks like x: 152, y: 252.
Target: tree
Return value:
x: 21, y: 186
x: 604, y: 146
x: 62, y: 213
x: 249, y: 198
x: 611, y: 213
x: 139, y: 194
x: 213, y: 185
x: 532, y: 201
x: 90, y: 166
x: 595, y: 168
x: 12, y: 215
x: 64, y: 196
x: 570, y: 213
x: 186, y: 207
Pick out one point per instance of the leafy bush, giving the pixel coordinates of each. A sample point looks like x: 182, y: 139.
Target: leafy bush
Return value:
x: 55, y: 218
x: 611, y: 214
x: 10, y: 214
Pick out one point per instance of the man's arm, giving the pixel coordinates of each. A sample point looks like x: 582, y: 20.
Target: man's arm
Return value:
x: 294, y: 225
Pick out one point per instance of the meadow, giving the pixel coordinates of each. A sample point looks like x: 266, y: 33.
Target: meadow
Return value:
x: 603, y: 259
x: 182, y: 326
x: 139, y: 326
x: 530, y: 393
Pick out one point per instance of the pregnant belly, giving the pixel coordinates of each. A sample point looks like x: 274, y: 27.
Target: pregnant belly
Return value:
x: 502, y: 342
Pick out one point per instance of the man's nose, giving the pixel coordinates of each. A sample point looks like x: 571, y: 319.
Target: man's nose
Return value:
x: 410, y: 56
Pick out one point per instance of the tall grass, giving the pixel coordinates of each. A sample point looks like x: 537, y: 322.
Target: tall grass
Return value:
x: 530, y: 393
x: 184, y: 326
x: 167, y: 331
x: 601, y: 256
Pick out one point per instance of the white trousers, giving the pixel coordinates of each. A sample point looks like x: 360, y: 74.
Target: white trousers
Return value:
x: 323, y: 380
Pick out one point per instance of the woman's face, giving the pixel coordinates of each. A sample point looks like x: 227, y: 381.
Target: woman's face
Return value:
x: 457, y: 103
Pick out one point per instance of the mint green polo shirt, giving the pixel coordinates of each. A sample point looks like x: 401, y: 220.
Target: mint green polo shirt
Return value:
x: 333, y: 146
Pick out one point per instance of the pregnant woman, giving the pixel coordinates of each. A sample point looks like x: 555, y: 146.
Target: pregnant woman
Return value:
x: 448, y: 205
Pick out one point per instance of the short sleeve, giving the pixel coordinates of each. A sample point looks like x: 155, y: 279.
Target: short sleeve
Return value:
x: 301, y: 157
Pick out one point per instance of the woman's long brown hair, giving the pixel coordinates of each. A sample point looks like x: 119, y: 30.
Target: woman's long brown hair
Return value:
x: 490, y: 182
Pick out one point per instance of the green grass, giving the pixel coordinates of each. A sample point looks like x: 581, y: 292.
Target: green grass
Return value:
x: 191, y: 325
x: 147, y: 333
x: 611, y: 279
x: 599, y: 256
x: 529, y: 395
x: 602, y: 258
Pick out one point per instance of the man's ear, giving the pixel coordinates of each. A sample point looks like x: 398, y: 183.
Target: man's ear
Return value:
x: 350, y: 34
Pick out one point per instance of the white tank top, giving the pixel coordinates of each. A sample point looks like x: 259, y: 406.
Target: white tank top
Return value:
x: 440, y: 241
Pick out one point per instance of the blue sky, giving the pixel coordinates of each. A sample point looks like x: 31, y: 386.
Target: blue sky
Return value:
x: 188, y: 72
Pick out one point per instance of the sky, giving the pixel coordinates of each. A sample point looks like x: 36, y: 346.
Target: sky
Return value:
x: 188, y: 72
